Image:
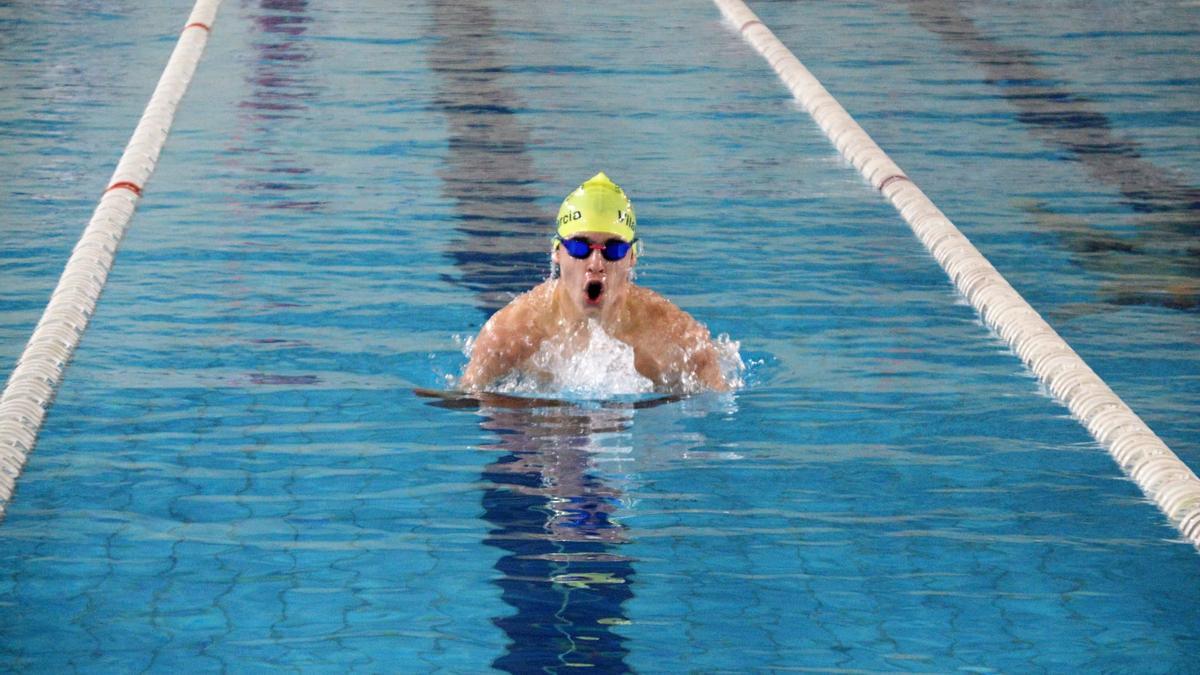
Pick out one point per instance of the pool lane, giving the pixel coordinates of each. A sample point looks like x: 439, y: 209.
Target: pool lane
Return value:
x: 549, y: 513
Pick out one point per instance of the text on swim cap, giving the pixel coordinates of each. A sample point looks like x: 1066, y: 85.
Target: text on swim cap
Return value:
x: 623, y: 216
x: 568, y: 217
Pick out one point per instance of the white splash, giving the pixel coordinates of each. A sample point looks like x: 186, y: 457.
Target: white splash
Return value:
x: 603, y: 368
x: 729, y: 354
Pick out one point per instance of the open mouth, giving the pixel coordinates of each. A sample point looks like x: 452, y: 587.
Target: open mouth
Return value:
x: 594, y: 290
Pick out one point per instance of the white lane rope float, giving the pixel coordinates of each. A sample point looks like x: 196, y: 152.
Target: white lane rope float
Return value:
x: 38, y: 372
x: 1160, y: 474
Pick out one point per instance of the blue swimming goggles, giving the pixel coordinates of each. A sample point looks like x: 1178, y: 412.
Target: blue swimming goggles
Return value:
x: 612, y: 250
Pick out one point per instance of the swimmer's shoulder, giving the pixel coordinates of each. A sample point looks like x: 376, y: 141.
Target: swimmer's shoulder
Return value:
x: 525, y: 308
x: 521, y: 325
x: 648, y: 301
x: 652, y: 309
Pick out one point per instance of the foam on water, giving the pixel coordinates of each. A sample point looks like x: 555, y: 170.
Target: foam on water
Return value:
x: 733, y: 368
x: 604, y: 368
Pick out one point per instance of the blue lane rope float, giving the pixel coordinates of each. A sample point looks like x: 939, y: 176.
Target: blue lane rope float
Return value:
x: 38, y: 372
x: 1160, y: 474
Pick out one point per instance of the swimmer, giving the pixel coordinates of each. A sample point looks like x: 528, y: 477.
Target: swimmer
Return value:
x: 595, y: 251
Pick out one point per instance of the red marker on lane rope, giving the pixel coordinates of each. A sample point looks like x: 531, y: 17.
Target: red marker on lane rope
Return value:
x: 125, y: 185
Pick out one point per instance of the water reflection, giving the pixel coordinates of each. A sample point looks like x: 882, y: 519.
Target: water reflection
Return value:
x: 1160, y: 264
x: 504, y: 242
x: 274, y: 178
x: 552, y: 510
x: 280, y: 94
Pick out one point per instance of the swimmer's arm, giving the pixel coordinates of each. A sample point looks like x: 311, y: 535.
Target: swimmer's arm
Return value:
x: 706, y: 364
x: 488, y: 363
x: 501, y: 347
x: 701, y: 358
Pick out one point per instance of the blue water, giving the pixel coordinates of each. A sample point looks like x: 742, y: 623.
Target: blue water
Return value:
x: 236, y: 473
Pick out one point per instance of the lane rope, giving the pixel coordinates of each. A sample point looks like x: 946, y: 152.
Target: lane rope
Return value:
x: 1139, y: 452
x: 39, y: 370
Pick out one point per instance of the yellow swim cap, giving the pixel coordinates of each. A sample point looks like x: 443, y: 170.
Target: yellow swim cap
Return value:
x: 599, y: 205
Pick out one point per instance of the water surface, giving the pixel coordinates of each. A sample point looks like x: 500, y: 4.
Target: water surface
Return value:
x: 237, y: 474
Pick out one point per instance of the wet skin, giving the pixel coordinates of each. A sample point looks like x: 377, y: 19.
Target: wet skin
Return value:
x: 671, y: 349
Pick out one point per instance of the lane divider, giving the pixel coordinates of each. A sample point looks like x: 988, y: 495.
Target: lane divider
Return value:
x: 1160, y: 474
x: 38, y: 372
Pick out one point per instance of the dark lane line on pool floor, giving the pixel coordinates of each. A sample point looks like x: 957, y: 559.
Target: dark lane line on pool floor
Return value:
x: 1161, y: 265
x: 550, y: 513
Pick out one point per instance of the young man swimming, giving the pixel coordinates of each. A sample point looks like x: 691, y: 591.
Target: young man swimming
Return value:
x: 595, y: 253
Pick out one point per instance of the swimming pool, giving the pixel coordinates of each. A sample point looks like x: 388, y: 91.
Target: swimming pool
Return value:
x: 237, y: 474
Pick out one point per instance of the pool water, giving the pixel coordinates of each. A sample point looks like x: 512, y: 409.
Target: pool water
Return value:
x: 237, y: 473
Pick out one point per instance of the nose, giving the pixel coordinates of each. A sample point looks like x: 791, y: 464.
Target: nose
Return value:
x: 595, y: 261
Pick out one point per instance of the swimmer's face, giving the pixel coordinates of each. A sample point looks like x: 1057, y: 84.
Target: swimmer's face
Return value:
x: 593, y: 283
